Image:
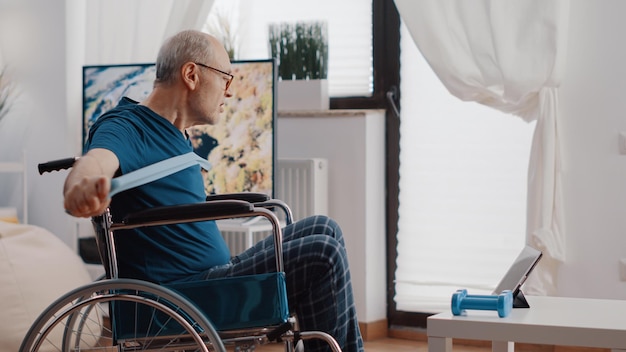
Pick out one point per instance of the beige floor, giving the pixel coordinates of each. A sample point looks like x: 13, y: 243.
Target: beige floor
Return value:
x: 406, y: 345
x: 401, y: 345
x: 389, y: 345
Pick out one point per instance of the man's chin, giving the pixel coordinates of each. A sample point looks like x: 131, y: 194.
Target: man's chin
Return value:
x: 214, y: 119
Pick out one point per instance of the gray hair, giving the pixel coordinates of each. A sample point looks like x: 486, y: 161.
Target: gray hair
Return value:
x: 185, y: 46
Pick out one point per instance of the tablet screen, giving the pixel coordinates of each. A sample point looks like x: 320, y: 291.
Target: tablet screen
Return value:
x: 519, y: 271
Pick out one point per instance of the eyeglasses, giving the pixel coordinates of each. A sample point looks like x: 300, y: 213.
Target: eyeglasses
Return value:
x: 230, y: 77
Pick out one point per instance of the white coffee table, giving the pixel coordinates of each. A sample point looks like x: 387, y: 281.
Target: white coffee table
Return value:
x: 549, y: 320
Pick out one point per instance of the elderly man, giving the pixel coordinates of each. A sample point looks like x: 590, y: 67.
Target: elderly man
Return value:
x: 192, y: 82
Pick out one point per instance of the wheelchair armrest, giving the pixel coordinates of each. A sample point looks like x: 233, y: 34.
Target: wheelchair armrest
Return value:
x: 259, y: 200
x: 213, y: 210
x: 250, y: 197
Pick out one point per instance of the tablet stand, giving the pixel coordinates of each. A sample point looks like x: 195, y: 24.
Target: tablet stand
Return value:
x: 519, y: 301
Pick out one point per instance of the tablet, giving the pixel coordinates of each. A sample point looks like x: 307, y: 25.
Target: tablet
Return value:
x: 518, y: 273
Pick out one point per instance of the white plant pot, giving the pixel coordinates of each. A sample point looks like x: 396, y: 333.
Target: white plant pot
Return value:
x: 303, y: 95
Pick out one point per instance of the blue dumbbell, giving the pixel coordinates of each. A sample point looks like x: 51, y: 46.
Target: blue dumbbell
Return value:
x: 503, y: 302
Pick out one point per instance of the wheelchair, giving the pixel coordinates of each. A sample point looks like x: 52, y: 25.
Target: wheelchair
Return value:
x: 122, y: 314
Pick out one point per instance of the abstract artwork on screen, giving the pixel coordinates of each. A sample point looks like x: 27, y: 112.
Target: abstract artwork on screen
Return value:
x: 240, y: 147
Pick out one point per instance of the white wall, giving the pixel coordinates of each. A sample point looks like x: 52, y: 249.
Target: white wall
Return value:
x: 33, y: 46
x: 593, y: 111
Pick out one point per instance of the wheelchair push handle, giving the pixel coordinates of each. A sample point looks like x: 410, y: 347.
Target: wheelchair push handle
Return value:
x: 56, y: 165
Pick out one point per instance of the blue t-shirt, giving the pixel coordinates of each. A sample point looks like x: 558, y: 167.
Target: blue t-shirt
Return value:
x: 140, y: 137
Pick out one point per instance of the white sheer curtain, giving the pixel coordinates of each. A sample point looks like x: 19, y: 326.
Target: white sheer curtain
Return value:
x: 122, y: 31
x: 509, y: 55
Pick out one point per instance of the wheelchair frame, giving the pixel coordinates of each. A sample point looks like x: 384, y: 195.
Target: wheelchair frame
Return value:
x: 77, y: 321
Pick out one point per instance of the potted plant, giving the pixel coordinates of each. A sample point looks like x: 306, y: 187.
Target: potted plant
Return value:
x: 301, y: 52
x: 221, y: 25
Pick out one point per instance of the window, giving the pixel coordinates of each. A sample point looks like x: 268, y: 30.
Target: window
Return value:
x: 385, y: 47
x: 463, y: 174
x: 350, y: 71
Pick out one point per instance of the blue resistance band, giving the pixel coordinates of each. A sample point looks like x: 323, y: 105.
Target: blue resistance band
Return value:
x: 156, y: 171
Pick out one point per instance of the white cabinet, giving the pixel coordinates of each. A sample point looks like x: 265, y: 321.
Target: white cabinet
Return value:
x: 353, y: 142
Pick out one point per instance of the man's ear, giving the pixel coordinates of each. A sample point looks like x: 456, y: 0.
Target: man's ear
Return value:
x: 190, y: 75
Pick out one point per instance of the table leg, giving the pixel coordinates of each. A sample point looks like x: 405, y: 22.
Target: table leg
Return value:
x: 439, y: 344
x: 502, y: 346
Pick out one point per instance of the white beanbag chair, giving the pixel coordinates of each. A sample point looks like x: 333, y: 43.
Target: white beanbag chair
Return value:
x: 36, y: 268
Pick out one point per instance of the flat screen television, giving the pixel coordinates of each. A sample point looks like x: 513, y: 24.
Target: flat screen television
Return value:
x: 241, y: 147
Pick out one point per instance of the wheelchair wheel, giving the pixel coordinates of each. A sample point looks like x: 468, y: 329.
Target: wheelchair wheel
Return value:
x: 122, y: 315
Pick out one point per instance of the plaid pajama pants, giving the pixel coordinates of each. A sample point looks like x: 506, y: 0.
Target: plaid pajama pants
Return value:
x: 317, y: 275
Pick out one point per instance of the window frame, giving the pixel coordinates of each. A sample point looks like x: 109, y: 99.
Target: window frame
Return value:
x: 386, y: 71
x: 386, y: 59
x: 386, y: 62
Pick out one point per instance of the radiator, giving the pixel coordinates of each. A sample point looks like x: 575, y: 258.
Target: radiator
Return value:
x: 301, y: 183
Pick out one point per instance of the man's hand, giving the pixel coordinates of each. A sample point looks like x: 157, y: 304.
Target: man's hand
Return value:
x: 87, y: 186
x: 88, y: 197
